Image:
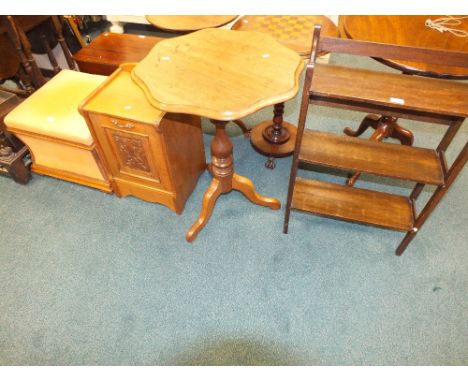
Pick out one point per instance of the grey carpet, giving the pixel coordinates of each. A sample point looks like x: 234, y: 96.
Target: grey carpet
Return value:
x: 87, y: 278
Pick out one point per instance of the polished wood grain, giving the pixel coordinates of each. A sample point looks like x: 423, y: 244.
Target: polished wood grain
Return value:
x: 150, y: 154
x: 382, y: 88
x: 232, y: 73
x: 293, y: 31
x: 353, y: 204
x: 188, y: 23
x: 409, y: 31
x: 385, y: 159
x: 107, y: 51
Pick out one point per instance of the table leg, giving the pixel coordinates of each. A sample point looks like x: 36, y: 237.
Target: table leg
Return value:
x: 245, y: 186
x: 385, y: 127
x: 209, y: 201
x: 225, y: 180
x: 243, y: 127
x: 274, y: 138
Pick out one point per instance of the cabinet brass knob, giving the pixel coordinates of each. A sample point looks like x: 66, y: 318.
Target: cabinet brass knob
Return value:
x: 126, y: 126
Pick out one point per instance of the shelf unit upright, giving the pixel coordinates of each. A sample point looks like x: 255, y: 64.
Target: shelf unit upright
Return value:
x: 390, y: 94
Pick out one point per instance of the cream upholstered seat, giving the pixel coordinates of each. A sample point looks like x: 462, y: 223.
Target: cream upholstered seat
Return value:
x: 57, y: 135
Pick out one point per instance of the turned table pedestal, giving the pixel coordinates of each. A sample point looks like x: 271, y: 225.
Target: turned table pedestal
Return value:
x: 232, y: 74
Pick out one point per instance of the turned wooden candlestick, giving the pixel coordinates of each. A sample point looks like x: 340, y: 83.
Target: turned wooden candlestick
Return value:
x: 274, y: 138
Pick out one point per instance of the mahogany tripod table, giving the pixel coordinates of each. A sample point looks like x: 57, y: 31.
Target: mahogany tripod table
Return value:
x: 276, y: 138
x: 409, y: 31
x: 232, y: 74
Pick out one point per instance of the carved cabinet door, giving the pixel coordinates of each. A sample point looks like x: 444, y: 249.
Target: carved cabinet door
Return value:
x: 133, y: 151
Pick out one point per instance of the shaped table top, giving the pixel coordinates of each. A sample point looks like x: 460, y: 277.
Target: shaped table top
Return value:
x: 189, y: 23
x: 412, y: 31
x: 219, y: 74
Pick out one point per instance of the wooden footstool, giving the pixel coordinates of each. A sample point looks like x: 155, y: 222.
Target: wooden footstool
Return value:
x: 276, y: 138
x: 59, y: 140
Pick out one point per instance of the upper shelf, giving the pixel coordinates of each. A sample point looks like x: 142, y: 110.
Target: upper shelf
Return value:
x: 429, y: 95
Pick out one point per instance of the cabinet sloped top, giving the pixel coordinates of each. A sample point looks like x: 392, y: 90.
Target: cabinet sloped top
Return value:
x: 219, y: 74
x: 120, y: 97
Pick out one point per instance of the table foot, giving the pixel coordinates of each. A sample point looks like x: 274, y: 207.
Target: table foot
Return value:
x: 370, y: 120
x: 405, y: 136
x: 215, y: 189
x: 270, y: 163
x: 246, y: 187
x: 209, y: 201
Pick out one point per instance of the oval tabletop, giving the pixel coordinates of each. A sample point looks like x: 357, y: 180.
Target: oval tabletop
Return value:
x: 410, y: 31
x: 219, y: 74
x: 189, y: 23
x: 293, y: 31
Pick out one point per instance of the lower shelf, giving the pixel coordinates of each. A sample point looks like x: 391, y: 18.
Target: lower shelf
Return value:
x: 353, y: 204
x: 379, y: 158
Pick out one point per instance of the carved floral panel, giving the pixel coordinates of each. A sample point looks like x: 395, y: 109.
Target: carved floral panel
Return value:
x: 132, y: 152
